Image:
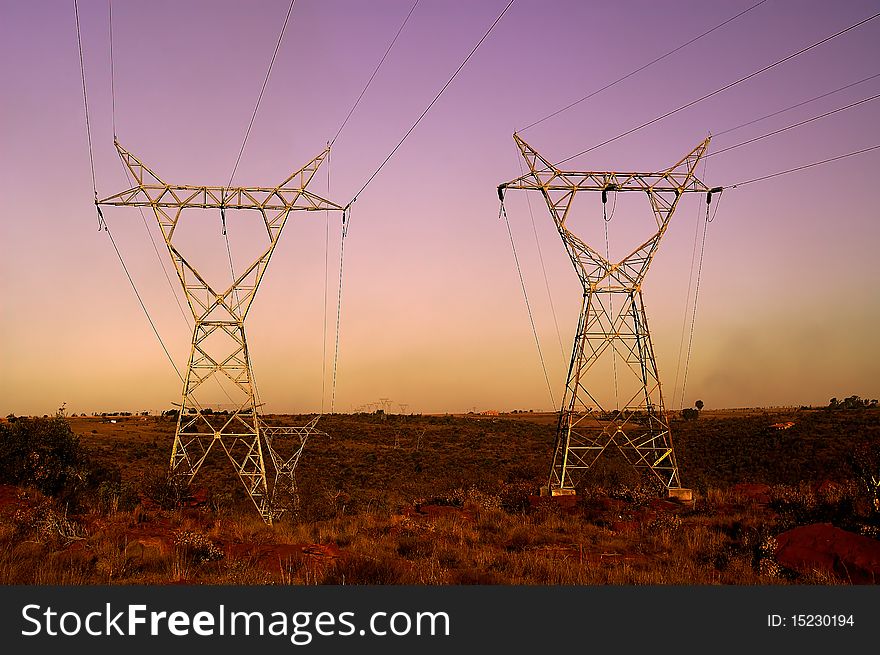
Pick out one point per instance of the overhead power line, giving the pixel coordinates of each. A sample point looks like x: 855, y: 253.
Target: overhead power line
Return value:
x: 143, y: 306
x: 727, y: 86
x: 112, y: 69
x: 641, y: 68
x: 543, y: 269
x: 502, y: 212
x: 345, y: 225
x: 795, y: 106
x: 102, y: 224
x: 687, y: 361
x: 375, y: 71
x: 262, y: 90
x: 183, y: 314
x: 805, y: 166
x: 186, y: 318
x: 794, y: 125
x: 82, y: 70
x: 431, y: 104
x: 687, y: 302
x: 245, y: 140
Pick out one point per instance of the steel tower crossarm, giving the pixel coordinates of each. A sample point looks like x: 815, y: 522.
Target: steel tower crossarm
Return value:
x: 544, y: 176
x: 168, y: 202
x: 664, y: 189
x: 152, y: 191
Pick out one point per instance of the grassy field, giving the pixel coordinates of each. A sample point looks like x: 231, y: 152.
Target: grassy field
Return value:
x: 444, y: 500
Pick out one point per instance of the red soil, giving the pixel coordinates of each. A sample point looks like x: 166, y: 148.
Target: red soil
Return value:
x: 823, y: 547
x: 755, y: 493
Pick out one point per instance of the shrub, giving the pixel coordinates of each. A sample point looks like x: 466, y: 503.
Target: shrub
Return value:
x: 46, y: 454
x: 114, y: 496
x: 39, y: 519
x: 164, y: 489
x: 195, y: 547
x: 363, y: 570
x: 865, y: 461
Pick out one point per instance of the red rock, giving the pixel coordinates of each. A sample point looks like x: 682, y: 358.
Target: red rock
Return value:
x: 662, y: 505
x: 331, y: 551
x: 823, y: 547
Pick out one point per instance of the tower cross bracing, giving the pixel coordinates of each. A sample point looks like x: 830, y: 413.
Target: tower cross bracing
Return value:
x: 612, y: 324
x: 219, y: 350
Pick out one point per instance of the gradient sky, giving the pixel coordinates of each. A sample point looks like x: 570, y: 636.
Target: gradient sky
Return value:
x: 433, y: 314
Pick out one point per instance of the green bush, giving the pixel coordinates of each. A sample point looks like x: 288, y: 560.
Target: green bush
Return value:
x: 46, y: 454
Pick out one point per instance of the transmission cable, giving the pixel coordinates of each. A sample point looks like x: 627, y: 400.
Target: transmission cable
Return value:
x: 245, y: 140
x: 710, y: 219
x: 687, y: 301
x: 346, y: 213
x: 794, y: 125
x: 795, y: 106
x: 128, y: 180
x: 186, y: 318
x: 720, y: 89
x: 345, y: 229
x: 141, y: 301
x: 346, y: 221
x: 229, y: 256
x: 543, y: 269
x: 805, y: 166
x: 687, y: 360
x: 112, y: 70
x: 262, y: 90
x: 609, y: 313
x: 431, y: 104
x: 375, y: 71
x: 641, y: 68
x: 503, y: 212
x: 326, y: 278
x: 101, y: 222
x: 82, y: 69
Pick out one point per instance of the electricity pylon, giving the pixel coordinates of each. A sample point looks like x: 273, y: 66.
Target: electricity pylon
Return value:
x: 219, y: 352
x: 612, y: 323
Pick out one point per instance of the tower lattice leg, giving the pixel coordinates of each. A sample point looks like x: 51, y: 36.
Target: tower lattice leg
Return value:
x: 636, y: 424
x: 219, y: 357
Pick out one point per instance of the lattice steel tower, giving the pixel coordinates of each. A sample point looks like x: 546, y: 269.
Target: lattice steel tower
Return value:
x: 612, y: 326
x: 219, y: 353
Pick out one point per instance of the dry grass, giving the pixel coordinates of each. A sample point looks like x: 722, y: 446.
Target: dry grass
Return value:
x: 471, y: 544
x: 430, y: 500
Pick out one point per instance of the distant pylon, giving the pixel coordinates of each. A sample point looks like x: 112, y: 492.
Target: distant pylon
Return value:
x: 612, y: 323
x: 219, y: 352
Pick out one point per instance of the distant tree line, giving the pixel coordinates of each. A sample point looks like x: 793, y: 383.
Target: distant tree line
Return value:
x: 174, y: 413
x: 852, y: 402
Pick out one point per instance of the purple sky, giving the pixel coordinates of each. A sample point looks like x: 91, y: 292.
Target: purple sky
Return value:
x: 433, y: 313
